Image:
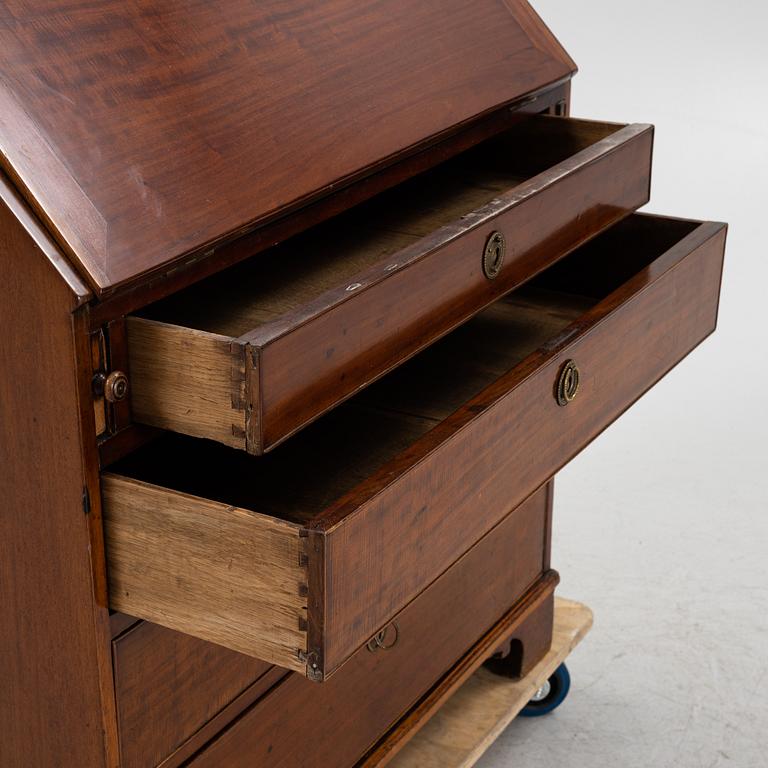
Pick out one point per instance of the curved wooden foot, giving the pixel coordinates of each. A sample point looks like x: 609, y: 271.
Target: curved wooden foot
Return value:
x: 527, y: 645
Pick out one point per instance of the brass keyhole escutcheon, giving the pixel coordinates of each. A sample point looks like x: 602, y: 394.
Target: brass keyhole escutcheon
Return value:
x: 385, y: 639
x: 568, y: 383
x: 493, y: 256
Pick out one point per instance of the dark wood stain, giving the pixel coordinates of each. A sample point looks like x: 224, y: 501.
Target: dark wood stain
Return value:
x: 199, y: 265
x: 623, y: 346
x: 147, y: 148
x: 527, y: 629
x: 149, y: 131
x: 169, y: 685
x: 56, y: 685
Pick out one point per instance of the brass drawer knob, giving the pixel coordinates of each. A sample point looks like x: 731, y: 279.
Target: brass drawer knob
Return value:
x: 567, y: 383
x: 493, y: 256
x: 385, y: 639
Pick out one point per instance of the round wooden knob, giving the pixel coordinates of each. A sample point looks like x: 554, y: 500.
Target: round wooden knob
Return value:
x: 567, y: 383
x: 116, y: 387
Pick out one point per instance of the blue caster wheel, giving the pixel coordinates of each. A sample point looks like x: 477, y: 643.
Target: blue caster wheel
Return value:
x: 550, y: 696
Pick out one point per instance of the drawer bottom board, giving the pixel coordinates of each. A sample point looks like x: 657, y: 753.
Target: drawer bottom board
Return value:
x: 474, y: 717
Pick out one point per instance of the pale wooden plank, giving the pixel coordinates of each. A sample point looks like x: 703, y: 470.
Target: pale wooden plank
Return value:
x: 216, y: 572
x: 187, y: 381
x: 474, y: 717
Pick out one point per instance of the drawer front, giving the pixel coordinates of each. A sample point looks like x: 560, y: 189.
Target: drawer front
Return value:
x: 391, y: 278
x: 300, y: 556
x: 169, y: 685
x: 452, y: 484
x: 301, y: 724
x: 395, y: 313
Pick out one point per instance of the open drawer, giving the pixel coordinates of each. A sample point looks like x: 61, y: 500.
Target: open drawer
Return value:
x: 300, y: 556
x: 254, y: 354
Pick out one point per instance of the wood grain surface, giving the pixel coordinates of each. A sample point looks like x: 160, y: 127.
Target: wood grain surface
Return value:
x: 327, y: 313
x: 216, y: 572
x: 188, y: 381
x: 55, y: 688
x: 196, y: 267
x: 623, y: 345
x: 394, y: 486
x: 526, y: 630
x: 168, y: 685
x: 352, y: 710
x: 151, y: 130
x: 299, y: 480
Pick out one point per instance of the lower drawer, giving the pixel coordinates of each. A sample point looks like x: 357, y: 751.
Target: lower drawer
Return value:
x: 168, y: 685
x: 303, y: 724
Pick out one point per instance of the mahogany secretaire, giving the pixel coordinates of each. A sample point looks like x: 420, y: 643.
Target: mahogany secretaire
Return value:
x: 303, y: 305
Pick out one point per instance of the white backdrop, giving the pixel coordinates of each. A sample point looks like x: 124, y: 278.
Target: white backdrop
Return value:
x: 662, y: 524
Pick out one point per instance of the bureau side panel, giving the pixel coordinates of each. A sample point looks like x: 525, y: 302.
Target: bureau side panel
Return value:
x: 51, y: 706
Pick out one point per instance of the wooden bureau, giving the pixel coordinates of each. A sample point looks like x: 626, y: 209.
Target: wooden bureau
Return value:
x: 305, y: 305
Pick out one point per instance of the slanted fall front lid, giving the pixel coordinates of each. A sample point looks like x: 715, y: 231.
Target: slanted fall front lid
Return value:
x: 144, y: 130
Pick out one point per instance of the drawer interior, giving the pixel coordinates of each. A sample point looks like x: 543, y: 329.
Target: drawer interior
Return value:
x: 293, y: 274
x: 299, y: 557
x: 254, y: 354
x: 301, y: 478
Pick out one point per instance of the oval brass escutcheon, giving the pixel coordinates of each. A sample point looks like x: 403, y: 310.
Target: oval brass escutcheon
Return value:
x: 493, y: 256
x: 385, y: 639
x: 568, y: 383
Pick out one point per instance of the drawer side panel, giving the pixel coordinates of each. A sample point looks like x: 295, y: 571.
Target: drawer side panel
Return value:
x: 187, y: 381
x: 216, y: 572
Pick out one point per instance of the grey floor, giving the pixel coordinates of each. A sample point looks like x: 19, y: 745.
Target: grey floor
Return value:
x: 662, y: 524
